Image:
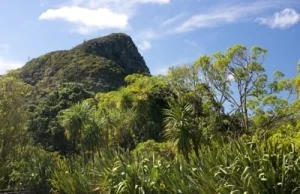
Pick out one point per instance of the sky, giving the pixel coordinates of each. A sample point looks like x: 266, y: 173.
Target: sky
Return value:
x: 166, y: 32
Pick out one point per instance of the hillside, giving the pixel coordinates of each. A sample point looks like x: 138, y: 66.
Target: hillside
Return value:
x: 100, y: 63
x: 193, y: 130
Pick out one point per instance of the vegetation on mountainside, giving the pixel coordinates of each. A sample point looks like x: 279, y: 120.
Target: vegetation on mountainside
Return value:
x: 101, y: 64
x: 220, y: 125
x: 43, y: 122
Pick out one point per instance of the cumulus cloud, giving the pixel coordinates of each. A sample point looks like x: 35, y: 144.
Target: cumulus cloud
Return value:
x: 6, y: 65
x: 93, y: 15
x: 87, y: 19
x: 144, y: 45
x: 283, y: 19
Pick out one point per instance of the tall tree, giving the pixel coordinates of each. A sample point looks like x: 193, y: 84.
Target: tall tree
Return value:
x: 178, y: 127
x: 73, y: 120
x: 44, y: 122
x: 235, y: 77
x: 13, y: 118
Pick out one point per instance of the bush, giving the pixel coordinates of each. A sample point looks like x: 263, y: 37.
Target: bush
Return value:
x: 164, y: 150
x: 32, y: 171
x: 239, y: 167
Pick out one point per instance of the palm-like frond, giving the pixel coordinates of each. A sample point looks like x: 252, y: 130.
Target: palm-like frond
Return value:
x: 74, y: 119
x: 178, y: 126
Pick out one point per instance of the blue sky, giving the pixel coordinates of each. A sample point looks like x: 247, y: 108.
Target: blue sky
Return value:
x: 167, y: 32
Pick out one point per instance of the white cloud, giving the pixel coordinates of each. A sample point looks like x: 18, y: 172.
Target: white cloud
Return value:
x: 221, y: 15
x: 144, y: 38
x: 6, y: 65
x: 154, y: 1
x: 284, y: 19
x: 230, y: 77
x: 115, y: 3
x: 192, y: 43
x: 144, y: 45
x: 94, y: 15
x: 87, y: 19
x: 205, y: 21
x: 172, y: 20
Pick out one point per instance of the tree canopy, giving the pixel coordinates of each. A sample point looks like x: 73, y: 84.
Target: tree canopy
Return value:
x: 223, y: 124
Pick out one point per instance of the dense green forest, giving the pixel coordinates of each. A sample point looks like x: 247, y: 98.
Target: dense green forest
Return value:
x: 219, y: 125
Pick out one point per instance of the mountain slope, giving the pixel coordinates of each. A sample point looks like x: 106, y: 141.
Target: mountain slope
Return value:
x: 100, y: 63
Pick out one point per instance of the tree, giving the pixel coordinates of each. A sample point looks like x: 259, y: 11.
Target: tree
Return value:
x: 230, y: 91
x: 178, y: 127
x: 13, y: 119
x: 235, y: 77
x: 117, y: 127
x: 146, y: 97
x: 73, y: 120
x: 44, y: 122
x: 93, y: 137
